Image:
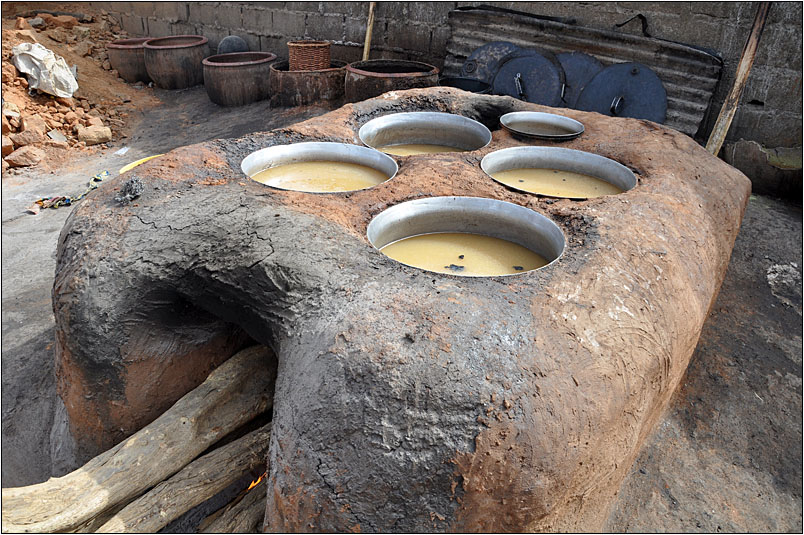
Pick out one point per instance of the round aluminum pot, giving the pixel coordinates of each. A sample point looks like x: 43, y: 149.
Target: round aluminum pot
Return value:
x: 474, y: 215
x: 432, y: 128
x: 175, y: 62
x: 127, y: 57
x: 300, y: 88
x: 367, y: 79
x: 576, y: 161
x: 318, y: 151
x: 237, y: 78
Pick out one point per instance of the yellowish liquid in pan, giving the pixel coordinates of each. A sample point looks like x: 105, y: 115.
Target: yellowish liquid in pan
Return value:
x: 410, y: 149
x: 556, y: 183
x: 321, y: 177
x: 463, y: 254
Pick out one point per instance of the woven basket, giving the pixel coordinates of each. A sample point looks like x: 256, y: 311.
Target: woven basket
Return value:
x: 308, y: 55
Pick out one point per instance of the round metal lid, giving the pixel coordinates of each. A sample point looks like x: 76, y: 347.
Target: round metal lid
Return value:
x: 626, y: 90
x: 579, y: 69
x: 483, y: 62
x: 532, y: 78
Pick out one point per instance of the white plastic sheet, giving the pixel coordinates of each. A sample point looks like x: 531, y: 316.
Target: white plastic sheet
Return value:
x: 46, y: 71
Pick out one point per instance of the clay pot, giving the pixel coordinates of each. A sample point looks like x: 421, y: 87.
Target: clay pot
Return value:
x: 299, y: 88
x: 238, y: 78
x: 367, y: 79
x: 127, y: 57
x: 175, y: 62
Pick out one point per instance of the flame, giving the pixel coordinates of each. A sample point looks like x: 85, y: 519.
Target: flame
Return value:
x: 256, y: 482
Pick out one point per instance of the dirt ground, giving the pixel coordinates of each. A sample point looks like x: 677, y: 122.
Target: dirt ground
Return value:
x: 727, y: 455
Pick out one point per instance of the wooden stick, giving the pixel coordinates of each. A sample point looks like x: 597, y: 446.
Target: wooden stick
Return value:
x: 242, y: 515
x: 369, y: 29
x: 729, y: 108
x: 233, y: 394
x: 194, y: 484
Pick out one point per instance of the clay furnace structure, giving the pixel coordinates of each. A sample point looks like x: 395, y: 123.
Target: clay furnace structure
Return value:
x: 405, y: 400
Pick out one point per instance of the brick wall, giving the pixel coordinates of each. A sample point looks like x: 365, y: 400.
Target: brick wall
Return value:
x: 770, y: 110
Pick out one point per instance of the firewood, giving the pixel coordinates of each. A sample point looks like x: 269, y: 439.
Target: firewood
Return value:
x: 233, y: 394
x: 243, y: 515
x: 194, y: 484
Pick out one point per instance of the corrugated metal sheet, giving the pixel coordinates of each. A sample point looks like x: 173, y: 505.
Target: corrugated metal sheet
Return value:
x: 689, y: 74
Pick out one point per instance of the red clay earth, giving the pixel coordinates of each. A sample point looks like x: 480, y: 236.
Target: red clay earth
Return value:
x: 102, y: 99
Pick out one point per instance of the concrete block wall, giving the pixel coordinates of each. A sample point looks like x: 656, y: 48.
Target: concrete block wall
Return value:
x: 770, y: 110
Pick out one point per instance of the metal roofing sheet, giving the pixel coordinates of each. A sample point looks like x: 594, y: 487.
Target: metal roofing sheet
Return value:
x: 688, y: 74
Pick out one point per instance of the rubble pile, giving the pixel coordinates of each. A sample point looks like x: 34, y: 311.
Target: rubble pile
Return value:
x: 34, y: 123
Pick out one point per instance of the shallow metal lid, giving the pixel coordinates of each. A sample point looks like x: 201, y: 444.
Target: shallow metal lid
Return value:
x: 579, y: 69
x: 484, y: 62
x: 532, y: 77
x: 626, y: 90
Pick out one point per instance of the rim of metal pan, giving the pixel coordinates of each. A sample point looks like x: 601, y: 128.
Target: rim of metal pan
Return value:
x: 541, y: 119
x: 427, y: 127
x: 473, y: 215
x: 576, y: 161
x: 312, y: 151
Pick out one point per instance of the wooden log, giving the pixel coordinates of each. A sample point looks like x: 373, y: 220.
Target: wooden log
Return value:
x: 95, y: 522
x: 729, y: 108
x: 233, y: 394
x: 243, y: 515
x: 194, y: 484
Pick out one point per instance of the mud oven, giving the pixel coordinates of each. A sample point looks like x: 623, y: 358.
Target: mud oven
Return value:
x: 406, y: 399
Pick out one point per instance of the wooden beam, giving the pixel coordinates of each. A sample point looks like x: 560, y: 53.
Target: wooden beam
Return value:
x: 729, y: 108
x: 237, y: 391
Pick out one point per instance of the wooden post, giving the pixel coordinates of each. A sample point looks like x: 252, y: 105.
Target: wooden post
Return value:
x: 729, y: 108
x: 369, y: 28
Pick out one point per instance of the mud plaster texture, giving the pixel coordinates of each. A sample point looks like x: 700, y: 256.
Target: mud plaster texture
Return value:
x: 405, y: 400
x: 726, y: 457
